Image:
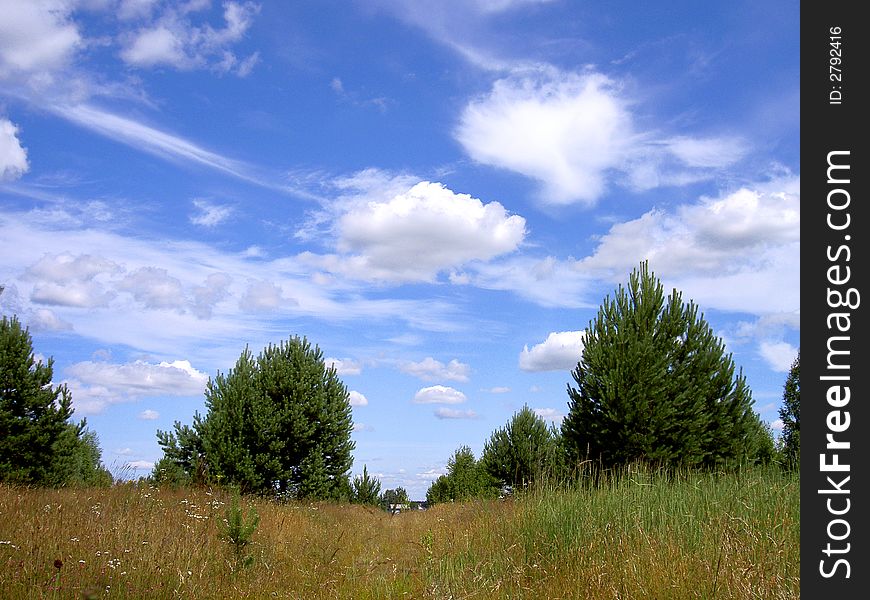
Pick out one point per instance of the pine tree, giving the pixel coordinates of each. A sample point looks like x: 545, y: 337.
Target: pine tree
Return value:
x: 38, y: 443
x: 790, y: 413
x: 521, y: 452
x: 366, y: 489
x: 278, y: 423
x: 654, y: 383
x: 466, y: 479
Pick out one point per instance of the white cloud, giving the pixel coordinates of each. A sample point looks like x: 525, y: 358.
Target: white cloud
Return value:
x: 452, y: 413
x: 214, y: 289
x: 344, y: 366
x: 430, y: 369
x: 96, y: 385
x: 498, y: 390
x: 36, y: 38
x: 124, y: 451
x: 565, y: 131
x: 561, y: 351
x: 214, y: 284
x: 13, y: 157
x: 709, y: 152
x: 357, y: 399
x: 140, y: 465
x: 439, y: 394
x: 148, y: 415
x: 263, y: 296
x: 777, y: 425
x: 134, y: 9
x: 575, y: 134
x: 362, y: 427
x: 81, y: 294
x: 778, y: 355
x: 431, y: 474
x: 545, y: 281
x: 549, y: 414
x: 43, y: 319
x: 66, y: 268
x: 209, y: 214
x: 149, y: 139
x: 391, y: 232
x: 175, y: 41
x: 154, y: 287
x: 736, y: 252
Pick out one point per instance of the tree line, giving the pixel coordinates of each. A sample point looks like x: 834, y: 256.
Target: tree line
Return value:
x: 653, y: 384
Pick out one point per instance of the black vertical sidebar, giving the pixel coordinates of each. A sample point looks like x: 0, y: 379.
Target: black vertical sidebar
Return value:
x: 835, y: 299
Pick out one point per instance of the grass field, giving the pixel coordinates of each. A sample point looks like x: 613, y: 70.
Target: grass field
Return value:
x: 641, y: 536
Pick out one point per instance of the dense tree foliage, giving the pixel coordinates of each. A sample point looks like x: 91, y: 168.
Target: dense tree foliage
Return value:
x: 466, y: 478
x: 398, y: 495
x: 38, y: 443
x: 790, y: 413
x: 280, y: 422
x: 654, y: 383
x: 365, y: 489
x: 523, y: 451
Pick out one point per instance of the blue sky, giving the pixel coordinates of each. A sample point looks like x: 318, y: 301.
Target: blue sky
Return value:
x: 439, y: 195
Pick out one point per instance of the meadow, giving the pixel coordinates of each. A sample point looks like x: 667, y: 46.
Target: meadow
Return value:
x: 639, y: 535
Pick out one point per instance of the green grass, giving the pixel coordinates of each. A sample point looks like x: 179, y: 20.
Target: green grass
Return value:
x: 639, y: 536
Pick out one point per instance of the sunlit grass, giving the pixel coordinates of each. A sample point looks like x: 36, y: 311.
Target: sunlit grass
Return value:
x: 639, y: 536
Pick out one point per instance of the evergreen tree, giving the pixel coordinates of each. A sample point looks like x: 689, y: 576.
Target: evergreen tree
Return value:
x: 521, y: 452
x: 654, y: 383
x: 396, y: 496
x: 365, y: 489
x: 38, y: 443
x: 466, y: 479
x: 278, y: 423
x: 790, y: 413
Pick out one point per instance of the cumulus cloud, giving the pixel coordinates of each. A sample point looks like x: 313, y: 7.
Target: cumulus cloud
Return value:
x: 733, y: 252
x: 561, y: 351
x: 439, y: 394
x: 430, y: 369
x: 565, y: 132
x: 214, y: 289
x: 13, y: 157
x: 452, y: 413
x: 36, y: 38
x: 174, y: 40
x: 148, y: 415
x: 154, y: 288
x: 778, y: 355
x: 80, y: 294
x: 362, y: 427
x: 263, y: 296
x: 344, y: 366
x: 97, y: 385
x: 357, y: 399
x: 575, y: 133
x: 70, y: 280
x: 498, y: 390
x: 210, y: 215
x: 391, y: 232
x: 66, y: 268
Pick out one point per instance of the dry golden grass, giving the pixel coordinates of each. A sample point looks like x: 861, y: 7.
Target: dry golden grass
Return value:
x: 703, y: 537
